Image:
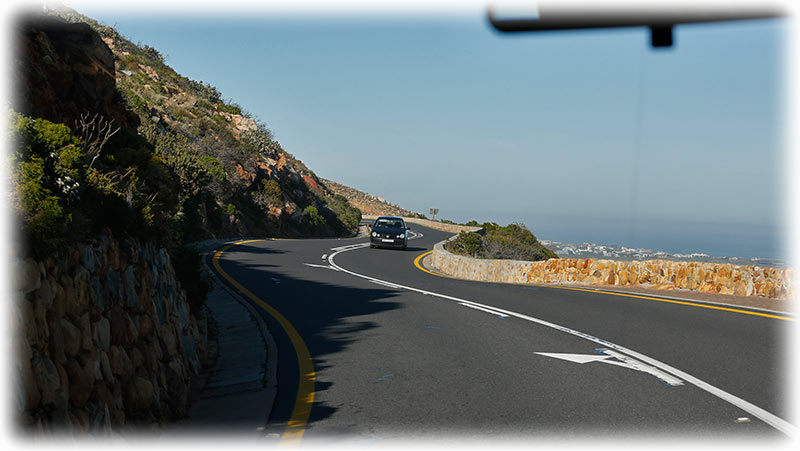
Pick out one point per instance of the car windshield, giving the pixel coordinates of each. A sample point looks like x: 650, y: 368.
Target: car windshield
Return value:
x: 389, y: 224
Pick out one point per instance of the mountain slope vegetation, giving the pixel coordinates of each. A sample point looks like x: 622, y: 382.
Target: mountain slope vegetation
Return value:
x: 232, y: 177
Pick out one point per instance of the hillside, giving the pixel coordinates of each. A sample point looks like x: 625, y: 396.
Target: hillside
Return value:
x: 233, y: 177
x: 367, y: 203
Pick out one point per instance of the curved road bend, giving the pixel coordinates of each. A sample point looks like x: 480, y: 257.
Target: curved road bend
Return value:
x: 392, y: 362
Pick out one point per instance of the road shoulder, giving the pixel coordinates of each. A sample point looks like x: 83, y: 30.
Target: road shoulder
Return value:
x: 237, y: 392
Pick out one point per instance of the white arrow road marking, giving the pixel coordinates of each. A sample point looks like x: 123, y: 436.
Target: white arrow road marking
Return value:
x: 767, y: 417
x: 349, y: 247
x: 615, y: 358
x: 577, y: 358
x: 324, y: 256
x: 320, y: 266
x: 484, y: 310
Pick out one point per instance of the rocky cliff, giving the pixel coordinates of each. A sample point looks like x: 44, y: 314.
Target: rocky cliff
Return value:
x: 105, y: 338
x: 66, y: 70
x: 367, y: 203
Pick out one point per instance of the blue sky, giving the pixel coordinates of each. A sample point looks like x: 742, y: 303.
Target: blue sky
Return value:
x: 441, y: 111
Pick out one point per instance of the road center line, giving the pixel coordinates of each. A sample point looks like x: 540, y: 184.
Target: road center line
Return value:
x: 767, y: 417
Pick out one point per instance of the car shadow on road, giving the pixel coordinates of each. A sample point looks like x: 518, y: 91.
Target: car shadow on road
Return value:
x: 328, y: 317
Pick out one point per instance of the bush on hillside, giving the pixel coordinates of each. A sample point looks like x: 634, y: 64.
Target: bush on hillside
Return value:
x: 512, y: 242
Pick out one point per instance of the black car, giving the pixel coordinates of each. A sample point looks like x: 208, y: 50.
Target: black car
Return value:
x: 389, y: 231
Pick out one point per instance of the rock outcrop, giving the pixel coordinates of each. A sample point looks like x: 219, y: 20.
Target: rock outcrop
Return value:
x: 65, y: 70
x: 367, y: 203
x: 703, y: 277
x: 105, y: 338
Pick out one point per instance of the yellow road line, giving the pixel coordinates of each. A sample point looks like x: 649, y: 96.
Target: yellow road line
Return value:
x: 417, y: 263
x: 305, y: 390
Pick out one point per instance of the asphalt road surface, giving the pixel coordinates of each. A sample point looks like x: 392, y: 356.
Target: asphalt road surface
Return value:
x: 376, y: 347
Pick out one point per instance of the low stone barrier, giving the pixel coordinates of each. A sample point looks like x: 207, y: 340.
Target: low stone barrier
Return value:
x: 450, y: 228
x: 703, y: 277
x: 104, y: 338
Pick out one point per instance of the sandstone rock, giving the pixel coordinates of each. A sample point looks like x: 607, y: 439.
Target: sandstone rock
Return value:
x: 156, y: 350
x: 97, y: 293
x: 140, y: 395
x: 101, y: 394
x: 81, y: 420
x: 72, y: 338
x: 47, y: 378
x: 95, y: 313
x: 28, y: 322
x: 145, y: 326
x: 32, y: 396
x: 56, y: 342
x: 123, y: 331
x: 60, y: 421
x: 120, y: 362
x: 58, y: 306
x: 113, y: 256
x: 104, y: 333
x: 45, y: 293
x: 28, y: 277
x: 87, y: 258
x: 137, y: 358
x: 40, y: 318
x: 63, y: 378
x: 74, y: 302
x: 113, y: 287
x: 131, y: 298
x: 81, y: 378
x: 105, y: 368
x: 85, y: 327
x: 168, y: 338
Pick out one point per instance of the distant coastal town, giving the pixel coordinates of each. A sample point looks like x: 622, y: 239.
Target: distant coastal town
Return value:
x: 623, y: 253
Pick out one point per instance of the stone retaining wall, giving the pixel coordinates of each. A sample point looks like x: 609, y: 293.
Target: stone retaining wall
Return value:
x: 450, y: 228
x: 660, y: 274
x: 104, y: 338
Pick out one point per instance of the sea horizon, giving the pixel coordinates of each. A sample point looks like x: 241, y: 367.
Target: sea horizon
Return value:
x: 715, y: 239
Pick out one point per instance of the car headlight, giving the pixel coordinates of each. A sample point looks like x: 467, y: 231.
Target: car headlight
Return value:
x: 402, y: 235
x: 375, y: 234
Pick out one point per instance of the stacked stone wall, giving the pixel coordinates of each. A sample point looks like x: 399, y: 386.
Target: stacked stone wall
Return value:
x: 105, y: 338
x: 776, y: 283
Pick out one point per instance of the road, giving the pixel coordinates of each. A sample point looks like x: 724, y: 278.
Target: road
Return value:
x: 372, y: 346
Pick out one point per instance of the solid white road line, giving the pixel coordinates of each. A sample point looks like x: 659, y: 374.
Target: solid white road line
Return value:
x: 767, y: 417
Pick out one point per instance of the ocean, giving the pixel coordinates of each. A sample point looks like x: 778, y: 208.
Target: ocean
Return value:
x: 744, y: 241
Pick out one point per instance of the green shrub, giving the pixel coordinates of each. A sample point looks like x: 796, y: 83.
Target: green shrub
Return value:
x: 232, y: 109
x: 272, y: 190
x: 314, y: 219
x: 513, y: 242
x: 467, y: 243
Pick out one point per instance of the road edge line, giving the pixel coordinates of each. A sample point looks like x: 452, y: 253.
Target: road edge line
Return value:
x: 306, y: 385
